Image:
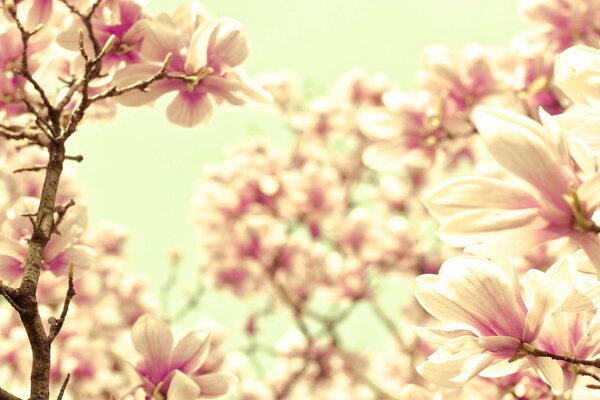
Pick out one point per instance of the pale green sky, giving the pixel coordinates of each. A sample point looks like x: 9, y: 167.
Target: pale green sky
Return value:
x: 139, y: 170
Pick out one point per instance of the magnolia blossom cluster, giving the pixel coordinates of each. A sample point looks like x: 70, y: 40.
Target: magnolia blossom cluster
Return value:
x: 200, y: 55
x: 477, y: 192
x: 62, y: 61
x: 499, y: 146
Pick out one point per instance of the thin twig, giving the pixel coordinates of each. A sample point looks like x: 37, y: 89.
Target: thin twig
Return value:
x: 63, y: 388
x: 56, y: 324
x: 34, y: 168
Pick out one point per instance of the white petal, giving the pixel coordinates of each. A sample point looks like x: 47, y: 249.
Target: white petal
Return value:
x: 191, y: 351
x: 216, y: 384
x: 379, y: 124
x: 523, y: 147
x: 549, y: 371
x: 182, y: 387
x: 460, y: 194
x: 552, y: 290
x: 152, y: 338
x: 455, y: 373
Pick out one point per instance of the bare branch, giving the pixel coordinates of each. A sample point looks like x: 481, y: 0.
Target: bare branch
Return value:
x: 24, y: 70
x: 530, y: 350
x: 63, y: 388
x: 61, y: 211
x: 56, y: 324
x: 34, y: 168
x: 4, y: 395
x: 141, y: 85
x: 78, y: 158
x: 6, y: 293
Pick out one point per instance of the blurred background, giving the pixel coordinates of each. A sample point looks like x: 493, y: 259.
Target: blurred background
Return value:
x: 139, y: 170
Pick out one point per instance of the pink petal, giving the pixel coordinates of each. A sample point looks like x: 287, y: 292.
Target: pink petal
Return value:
x: 517, y: 143
x: 478, y: 225
x: 182, y: 387
x: 454, y: 373
x: 191, y: 352
x: 590, y: 243
x: 153, y: 340
x: 379, y: 124
x: 189, y: 109
x: 216, y: 385
x: 459, y: 194
x: 198, y: 49
x: 552, y: 290
x: 385, y: 156
x: 549, y: 371
x: 229, y: 46
x: 161, y: 39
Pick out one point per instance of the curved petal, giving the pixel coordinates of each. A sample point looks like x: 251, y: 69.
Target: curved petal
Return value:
x: 459, y: 194
x: 189, y: 109
x: 153, y: 340
x: 576, y: 72
x: 478, y: 225
x: 590, y: 243
x: 216, y: 385
x: 198, y: 49
x: 182, y: 387
x: 379, y: 124
x: 385, y: 156
x: 455, y: 373
x: 229, y: 46
x: 162, y: 38
x: 519, y: 145
x: 552, y: 290
x: 549, y: 371
x: 484, y: 289
x: 191, y: 352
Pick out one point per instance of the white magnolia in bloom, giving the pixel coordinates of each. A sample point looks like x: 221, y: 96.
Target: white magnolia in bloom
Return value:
x: 493, y: 316
x: 577, y: 72
x: 553, y: 197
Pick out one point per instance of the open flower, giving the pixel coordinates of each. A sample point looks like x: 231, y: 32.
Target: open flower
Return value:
x: 553, y: 197
x: 175, y: 372
x: 577, y: 73
x: 63, y: 248
x: 203, y: 70
x: 494, y: 316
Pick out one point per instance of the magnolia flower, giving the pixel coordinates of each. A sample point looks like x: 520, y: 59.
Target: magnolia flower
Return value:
x: 553, y: 197
x: 577, y: 72
x: 126, y: 23
x: 495, y: 318
x: 36, y: 11
x: 563, y: 23
x: 62, y: 249
x: 203, y: 70
x: 175, y: 372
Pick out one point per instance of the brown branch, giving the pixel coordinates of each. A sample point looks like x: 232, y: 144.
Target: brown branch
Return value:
x: 24, y: 70
x: 141, y: 85
x: 18, y: 133
x: 25, y: 295
x: 61, y: 211
x: 78, y: 158
x: 63, y: 388
x: 4, y: 395
x: 34, y: 169
x: 532, y: 351
x: 6, y: 293
x: 56, y: 324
